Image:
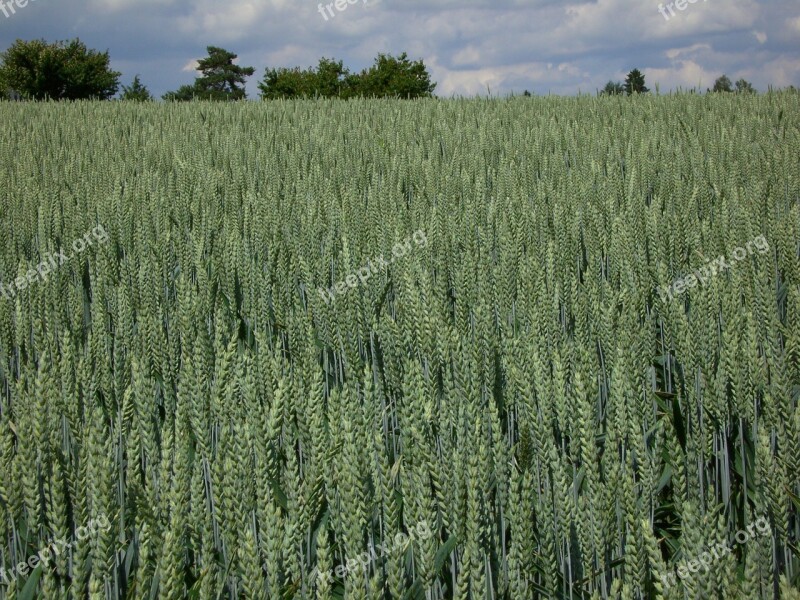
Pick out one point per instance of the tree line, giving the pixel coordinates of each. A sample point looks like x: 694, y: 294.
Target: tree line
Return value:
x: 36, y: 70
x: 635, y: 84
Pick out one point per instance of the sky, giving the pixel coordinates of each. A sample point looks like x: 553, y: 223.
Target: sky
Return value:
x: 475, y: 47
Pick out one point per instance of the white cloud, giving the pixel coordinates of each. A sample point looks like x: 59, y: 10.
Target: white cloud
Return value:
x: 684, y: 74
x: 780, y: 72
x: 674, y: 53
x: 125, y: 5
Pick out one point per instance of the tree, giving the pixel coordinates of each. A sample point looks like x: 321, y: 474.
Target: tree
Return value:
x: 389, y: 77
x: 392, y: 77
x: 613, y: 88
x: 722, y: 84
x: 526, y: 93
x: 331, y: 78
x: 136, y: 92
x: 185, y: 93
x: 327, y: 81
x: 287, y: 83
x: 744, y: 87
x: 634, y: 83
x: 221, y: 80
x: 65, y: 70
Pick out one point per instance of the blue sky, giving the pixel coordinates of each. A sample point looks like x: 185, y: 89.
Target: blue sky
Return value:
x: 470, y: 47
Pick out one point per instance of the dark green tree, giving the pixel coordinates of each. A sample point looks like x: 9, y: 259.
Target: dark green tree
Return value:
x: 65, y: 70
x: 136, y: 92
x: 613, y: 88
x: 744, y: 87
x: 331, y: 78
x: 388, y: 77
x: 221, y: 79
x: 185, y: 93
x: 287, y: 83
x: 722, y: 85
x: 392, y: 77
x: 634, y: 83
x: 327, y: 81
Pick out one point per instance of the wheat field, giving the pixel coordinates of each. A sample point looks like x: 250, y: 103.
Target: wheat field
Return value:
x: 487, y: 348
